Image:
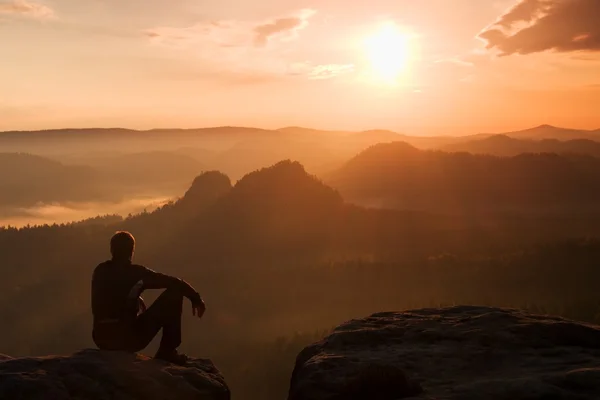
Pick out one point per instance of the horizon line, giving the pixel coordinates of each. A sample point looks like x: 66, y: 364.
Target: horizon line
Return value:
x: 15, y: 131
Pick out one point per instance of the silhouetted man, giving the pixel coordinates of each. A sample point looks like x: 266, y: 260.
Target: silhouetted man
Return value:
x: 121, y: 320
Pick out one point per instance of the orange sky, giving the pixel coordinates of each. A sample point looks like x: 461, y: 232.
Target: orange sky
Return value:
x: 469, y: 65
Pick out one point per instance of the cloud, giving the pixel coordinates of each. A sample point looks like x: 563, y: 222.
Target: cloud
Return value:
x: 461, y: 62
x: 231, y: 33
x: 246, y: 51
x: 282, y: 27
x: 319, y: 71
x: 25, y: 9
x: 534, y: 26
x: 328, y: 71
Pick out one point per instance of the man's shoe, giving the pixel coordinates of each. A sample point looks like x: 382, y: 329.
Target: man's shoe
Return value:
x: 172, y: 356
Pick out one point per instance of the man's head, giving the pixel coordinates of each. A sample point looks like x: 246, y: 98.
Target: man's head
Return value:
x: 122, y: 245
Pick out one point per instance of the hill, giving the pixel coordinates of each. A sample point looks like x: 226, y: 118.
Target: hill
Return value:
x: 239, y: 150
x: 553, y: 132
x: 506, y: 146
x: 27, y: 179
x: 69, y: 141
x: 232, y: 150
x: 400, y: 176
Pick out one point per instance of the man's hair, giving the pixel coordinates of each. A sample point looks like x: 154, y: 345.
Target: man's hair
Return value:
x: 122, y: 245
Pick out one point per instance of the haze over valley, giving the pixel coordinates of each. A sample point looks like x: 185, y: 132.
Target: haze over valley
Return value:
x: 66, y: 175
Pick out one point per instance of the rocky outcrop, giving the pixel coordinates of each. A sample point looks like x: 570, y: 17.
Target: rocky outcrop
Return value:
x: 452, y: 353
x: 95, y: 375
x: 206, y: 189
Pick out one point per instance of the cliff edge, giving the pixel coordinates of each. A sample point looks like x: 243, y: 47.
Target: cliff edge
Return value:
x: 454, y: 353
x: 95, y: 375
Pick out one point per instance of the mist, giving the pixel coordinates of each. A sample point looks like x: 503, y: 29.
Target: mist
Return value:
x: 63, y: 213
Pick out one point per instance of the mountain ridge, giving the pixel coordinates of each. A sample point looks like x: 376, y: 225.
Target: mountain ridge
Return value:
x: 401, y: 176
x: 535, y: 130
x: 509, y: 146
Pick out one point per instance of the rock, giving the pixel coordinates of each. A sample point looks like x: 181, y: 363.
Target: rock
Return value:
x: 456, y: 353
x: 206, y: 189
x: 103, y: 375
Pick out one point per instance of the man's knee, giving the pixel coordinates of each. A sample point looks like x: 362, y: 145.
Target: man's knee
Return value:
x: 173, y: 294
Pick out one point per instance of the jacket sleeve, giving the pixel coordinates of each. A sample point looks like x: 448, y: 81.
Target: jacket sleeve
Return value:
x: 155, y: 280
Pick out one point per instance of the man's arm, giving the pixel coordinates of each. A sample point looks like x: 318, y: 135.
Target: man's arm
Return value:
x: 156, y: 280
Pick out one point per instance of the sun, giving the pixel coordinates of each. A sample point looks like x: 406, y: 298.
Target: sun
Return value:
x: 388, y: 52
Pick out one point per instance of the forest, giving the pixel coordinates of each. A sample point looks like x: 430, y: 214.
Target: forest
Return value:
x: 281, y: 258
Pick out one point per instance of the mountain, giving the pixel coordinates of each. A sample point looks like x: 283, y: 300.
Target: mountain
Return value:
x: 232, y: 150
x: 357, y: 140
x: 503, y: 145
x: 199, y: 154
x: 68, y: 141
x: 298, y: 130
x: 121, y: 133
x: 205, y: 190
x: 553, y: 132
x: 400, y: 176
x: 274, y: 210
x: 222, y: 138
x: 27, y: 179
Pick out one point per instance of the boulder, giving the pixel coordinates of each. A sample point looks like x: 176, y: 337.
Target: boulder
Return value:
x: 458, y: 353
x: 95, y: 375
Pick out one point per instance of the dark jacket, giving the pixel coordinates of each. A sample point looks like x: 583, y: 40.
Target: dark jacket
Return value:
x: 112, y: 284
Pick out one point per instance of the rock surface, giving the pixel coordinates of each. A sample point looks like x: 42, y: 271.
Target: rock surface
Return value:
x: 95, y: 375
x: 458, y: 353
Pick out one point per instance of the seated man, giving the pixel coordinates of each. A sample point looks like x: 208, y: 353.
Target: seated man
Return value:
x: 121, y: 320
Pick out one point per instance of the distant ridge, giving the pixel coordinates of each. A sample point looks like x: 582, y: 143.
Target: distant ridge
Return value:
x: 398, y: 175
x: 504, y: 145
x: 310, y: 131
x: 125, y: 131
x: 546, y: 131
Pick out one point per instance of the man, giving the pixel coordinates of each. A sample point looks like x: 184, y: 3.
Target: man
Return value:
x: 121, y: 320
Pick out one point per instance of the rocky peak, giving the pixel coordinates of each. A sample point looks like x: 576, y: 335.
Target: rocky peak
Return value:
x: 206, y: 189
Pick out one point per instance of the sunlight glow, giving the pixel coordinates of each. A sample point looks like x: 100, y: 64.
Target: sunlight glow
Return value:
x: 388, y: 52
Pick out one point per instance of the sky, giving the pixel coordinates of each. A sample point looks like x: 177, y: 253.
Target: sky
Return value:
x: 418, y: 67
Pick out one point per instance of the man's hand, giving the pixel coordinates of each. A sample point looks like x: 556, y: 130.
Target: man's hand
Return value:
x: 198, y: 307
x: 142, y: 304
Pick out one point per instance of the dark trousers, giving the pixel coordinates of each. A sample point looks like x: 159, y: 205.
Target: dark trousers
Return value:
x: 164, y: 313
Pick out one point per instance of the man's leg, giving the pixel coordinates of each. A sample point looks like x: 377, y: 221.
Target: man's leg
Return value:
x: 165, y: 314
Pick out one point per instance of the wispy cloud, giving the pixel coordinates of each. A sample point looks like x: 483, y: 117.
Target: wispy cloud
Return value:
x: 25, y: 8
x: 283, y: 28
x: 456, y: 61
x: 256, y: 49
x: 534, y: 26
x: 319, y: 71
x: 328, y: 71
x: 231, y: 33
